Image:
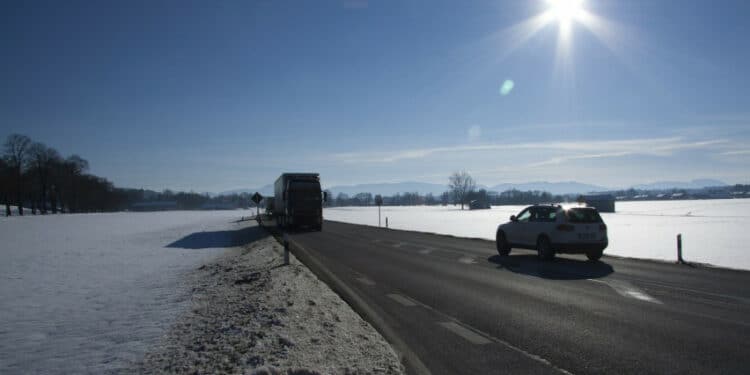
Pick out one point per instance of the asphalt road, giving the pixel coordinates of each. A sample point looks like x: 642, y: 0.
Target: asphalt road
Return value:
x: 457, y: 307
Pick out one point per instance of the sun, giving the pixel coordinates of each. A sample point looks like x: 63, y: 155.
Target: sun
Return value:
x: 566, y: 15
x: 565, y: 11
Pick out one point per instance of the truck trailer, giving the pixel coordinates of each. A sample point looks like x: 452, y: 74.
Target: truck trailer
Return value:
x: 299, y: 201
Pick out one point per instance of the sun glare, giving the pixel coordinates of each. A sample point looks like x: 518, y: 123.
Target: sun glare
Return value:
x: 564, y: 14
x: 565, y: 11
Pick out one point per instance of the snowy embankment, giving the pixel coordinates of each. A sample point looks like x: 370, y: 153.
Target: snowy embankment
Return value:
x: 92, y: 293
x: 251, y: 312
x: 713, y: 231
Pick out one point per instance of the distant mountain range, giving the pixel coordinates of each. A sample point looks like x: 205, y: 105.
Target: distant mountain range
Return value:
x: 694, y: 184
x: 390, y: 188
x: 570, y: 187
x: 266, y: 191
x: 563, y: 187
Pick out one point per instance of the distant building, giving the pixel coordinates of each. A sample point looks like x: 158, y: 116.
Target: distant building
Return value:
x: 478, y: 204
x: 602, y: 202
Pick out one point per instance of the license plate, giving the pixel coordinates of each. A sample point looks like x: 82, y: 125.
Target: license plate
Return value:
x: 586, y: 236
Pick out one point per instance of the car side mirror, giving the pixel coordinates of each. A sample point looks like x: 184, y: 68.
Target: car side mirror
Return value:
x: 325, y: 196
x: 513, y: 218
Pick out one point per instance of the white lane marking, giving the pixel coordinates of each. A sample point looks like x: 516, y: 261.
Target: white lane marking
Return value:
x: 426, y: 251
x: 398, y: 244
x: 402, y: 300
x: 696, y: 291
x: 496, y: 340
x: 627, y: 289
x: 365, y: 281
x: 467, y: 334
x: 467, y: 260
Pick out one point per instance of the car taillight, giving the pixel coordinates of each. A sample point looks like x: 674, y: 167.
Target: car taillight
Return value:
x: 602, y: 227
x: 565, y: 227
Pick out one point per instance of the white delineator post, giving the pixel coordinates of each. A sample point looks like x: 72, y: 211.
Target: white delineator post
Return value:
x: 679, y: 249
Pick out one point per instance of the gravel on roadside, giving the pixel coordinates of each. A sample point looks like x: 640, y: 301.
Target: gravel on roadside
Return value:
x: 252, y: 314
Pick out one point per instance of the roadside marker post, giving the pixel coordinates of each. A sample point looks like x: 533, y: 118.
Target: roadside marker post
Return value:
x: 386, y: 222
x: 679, y: 249
x: 286, y: 249
x: 379, y: 202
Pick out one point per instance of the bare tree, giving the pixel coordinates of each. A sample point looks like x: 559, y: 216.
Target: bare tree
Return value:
x: 15, y: 155
x: 41, y: 160
x: 5, y: 185
x: 72, y: 169
x: 461, y: 184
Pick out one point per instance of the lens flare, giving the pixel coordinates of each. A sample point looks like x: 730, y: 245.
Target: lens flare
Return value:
x: 506, y: 87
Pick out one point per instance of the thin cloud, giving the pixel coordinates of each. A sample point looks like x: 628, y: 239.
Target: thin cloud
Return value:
x: 736, y: 152
x: 590, y: 149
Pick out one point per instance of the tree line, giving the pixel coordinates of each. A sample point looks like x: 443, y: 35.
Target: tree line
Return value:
x: 38, y: 177
x: 461, y: 191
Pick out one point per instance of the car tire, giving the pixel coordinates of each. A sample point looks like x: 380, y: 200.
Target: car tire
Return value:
x: 502, y: 244
x: 544, y: 248
x: 594, y: 255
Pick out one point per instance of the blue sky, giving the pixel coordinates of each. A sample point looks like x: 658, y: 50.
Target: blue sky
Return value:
x: 212, y: 96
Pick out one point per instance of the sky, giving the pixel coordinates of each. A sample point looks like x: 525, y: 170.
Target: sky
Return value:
x: 212, y: 96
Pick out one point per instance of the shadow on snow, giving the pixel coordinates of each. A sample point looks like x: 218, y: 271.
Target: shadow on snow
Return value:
x: 219, y: 239
x: 558, y: 269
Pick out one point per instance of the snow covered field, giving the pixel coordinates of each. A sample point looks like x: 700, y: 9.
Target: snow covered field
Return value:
x: 713, y: 231
x: 90, y: 293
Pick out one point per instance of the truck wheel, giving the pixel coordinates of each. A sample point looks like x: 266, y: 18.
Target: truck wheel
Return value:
x: 502, y: 244
x: 544, y: 248
x: 594, y: 255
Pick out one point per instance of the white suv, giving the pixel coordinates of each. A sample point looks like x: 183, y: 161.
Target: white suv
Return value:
x: 552, y: 229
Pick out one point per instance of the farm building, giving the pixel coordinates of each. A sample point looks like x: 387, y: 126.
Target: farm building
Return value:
x: 602, y: 202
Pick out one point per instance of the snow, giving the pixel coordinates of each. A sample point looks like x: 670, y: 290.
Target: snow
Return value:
x: 713, y: 231
x: 92, y: 292
x: 249, y: 313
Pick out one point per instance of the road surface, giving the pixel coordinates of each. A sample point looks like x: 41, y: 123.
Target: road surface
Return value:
x: 455, y: 306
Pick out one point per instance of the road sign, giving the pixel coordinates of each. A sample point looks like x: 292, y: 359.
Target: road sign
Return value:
x: 257, y: 198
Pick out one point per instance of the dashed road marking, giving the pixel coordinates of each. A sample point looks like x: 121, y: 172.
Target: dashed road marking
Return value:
x: 472, y: 334
x: 398, y: 244
x: 365, y: 281
x: 466, y: 333
x: 402, y: 300
x: 627, y: 289
x: 426, y: 251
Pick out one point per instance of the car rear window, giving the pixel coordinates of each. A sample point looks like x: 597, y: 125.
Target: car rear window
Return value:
x: 583, y: 215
